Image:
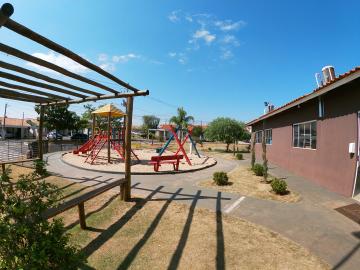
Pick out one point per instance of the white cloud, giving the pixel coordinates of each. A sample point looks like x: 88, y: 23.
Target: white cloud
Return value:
x: 226, y: 54
x: 188, y: 18
x: 205, y: 35
x: 228, y: 25
x: 172, y: 54
x: 125, y: 58
x: 173, y: 16
x: 109, y: 67
x: 58, y: 60
x: 103, y: 57
x: 230, y: 39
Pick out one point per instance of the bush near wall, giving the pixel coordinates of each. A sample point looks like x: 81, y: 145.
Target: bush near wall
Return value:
x: 279, y: 186
x: 258, y: 169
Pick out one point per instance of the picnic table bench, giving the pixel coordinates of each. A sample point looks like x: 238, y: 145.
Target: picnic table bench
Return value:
x: 171, y: 159
x: 79, y: 201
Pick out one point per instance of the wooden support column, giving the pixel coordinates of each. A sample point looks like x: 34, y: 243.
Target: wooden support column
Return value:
x: 109, y: 137
x: 125, y: 189
x: 81, y: 208
x: 40, y: 132
x: 3, y: 167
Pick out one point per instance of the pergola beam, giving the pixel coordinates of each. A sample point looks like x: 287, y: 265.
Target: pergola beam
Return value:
x: 30, y: 90
x: 16, y: 78
x: 26, y: 32
x: 13, y: 94
x: 45, y: 78
x: 125, y: 95
x: 27, y: 57
x: 5, y: 12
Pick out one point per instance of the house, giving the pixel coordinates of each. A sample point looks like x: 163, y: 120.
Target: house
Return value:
x: 19, y: 128
x: 317, y: 135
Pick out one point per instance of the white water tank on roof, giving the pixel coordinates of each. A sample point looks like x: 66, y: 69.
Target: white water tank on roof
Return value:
x: 328, y: 73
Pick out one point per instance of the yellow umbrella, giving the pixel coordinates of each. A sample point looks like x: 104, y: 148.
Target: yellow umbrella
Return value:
x: 109, y: 109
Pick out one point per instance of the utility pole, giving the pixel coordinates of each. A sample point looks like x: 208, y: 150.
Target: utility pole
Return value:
x: 4, y: 131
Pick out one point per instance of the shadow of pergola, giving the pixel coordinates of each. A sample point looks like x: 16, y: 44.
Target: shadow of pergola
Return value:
x: 108, y: 233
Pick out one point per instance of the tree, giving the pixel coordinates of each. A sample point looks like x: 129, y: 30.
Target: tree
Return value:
x: 150, y: 122
x: 198, y: 133
x: 58, y: 117
x: 27, y: 239
x: 226, y: 130
x: 181, y: 120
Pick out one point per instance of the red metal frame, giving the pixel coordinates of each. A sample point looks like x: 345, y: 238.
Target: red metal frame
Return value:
x: 180, y: 144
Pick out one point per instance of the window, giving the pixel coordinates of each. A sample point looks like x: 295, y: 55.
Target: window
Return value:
x: 258, y: 136
x: 268, y: 136
x: 304, y: 135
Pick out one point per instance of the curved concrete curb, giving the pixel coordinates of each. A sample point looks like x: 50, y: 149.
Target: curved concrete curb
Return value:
x: 138, y: 173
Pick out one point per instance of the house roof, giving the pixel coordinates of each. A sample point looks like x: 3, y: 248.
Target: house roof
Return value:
x: 17, y: 122
x: 332, y: 85
x: 109, y: 109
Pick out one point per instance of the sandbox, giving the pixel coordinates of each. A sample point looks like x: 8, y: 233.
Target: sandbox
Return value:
x: 138, y: 167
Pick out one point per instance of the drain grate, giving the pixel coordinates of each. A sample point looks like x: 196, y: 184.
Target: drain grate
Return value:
x: 351, y: 211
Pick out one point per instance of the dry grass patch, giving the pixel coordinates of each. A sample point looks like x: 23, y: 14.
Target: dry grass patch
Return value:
x: 153, y: 234
x: 147, y: 234
x: 242, y: 180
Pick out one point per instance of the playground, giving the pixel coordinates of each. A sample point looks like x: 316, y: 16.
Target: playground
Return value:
x: 105, y: 150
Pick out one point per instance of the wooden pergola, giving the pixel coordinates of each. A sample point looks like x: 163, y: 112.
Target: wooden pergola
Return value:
x: 61, y: 92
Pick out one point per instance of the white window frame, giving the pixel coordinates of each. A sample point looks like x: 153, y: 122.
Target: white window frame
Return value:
x: 293, y: 137
x: 270, y: 143
x: 258, y: 136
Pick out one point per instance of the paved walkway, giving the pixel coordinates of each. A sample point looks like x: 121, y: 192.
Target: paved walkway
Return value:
x: 312, y: 222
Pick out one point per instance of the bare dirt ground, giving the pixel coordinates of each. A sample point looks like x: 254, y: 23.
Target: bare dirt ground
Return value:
x: 243, y: 181
x: 148, y: 233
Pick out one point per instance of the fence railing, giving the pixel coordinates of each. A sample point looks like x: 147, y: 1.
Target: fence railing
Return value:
x: 13, y: 150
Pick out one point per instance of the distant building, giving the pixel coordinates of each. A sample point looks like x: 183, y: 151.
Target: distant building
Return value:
x: 16, y: 128
x: 317, y: 135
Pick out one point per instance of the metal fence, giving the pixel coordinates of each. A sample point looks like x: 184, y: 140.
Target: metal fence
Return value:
x: 13, y: 150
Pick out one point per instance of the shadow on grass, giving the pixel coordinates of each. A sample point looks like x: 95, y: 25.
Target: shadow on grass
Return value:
x: 135, y: 250
x: 220, y: 245
x: 101, y: 239
x: 175, y: 259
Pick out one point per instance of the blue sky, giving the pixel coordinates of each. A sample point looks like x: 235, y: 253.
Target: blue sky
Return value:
x: 214, y: 58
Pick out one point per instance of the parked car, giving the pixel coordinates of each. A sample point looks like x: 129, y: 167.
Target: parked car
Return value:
x: 79, y: 137
x: 54, y: 136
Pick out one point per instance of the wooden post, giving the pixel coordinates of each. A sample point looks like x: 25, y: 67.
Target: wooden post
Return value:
x: 93, y: 126
x: 125, y: 189
x: 109, y: 139
x: 40, y: 133
x: 82, y: 220
x: 3, y: 167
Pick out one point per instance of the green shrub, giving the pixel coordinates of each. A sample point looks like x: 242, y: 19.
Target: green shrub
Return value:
x: 220, y: 178
x: 258, y: 169
x: 239, y: 156
x: 40, y: 168
x: 209, y: 149
x: 279, y: 186
x: 27, y: 239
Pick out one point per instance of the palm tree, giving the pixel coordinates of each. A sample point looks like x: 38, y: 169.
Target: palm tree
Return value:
x: 181, y: 120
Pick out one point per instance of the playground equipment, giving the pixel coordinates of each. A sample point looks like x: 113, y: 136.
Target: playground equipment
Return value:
x: 174, y: 135
x: 101, y: 138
